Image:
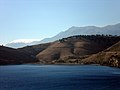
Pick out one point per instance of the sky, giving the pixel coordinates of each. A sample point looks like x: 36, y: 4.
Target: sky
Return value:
x: 38, y: 19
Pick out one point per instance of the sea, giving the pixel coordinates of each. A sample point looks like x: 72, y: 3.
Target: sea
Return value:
x: 59, y: 77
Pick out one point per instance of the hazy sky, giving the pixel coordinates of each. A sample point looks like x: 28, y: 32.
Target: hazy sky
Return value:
x: 37, y: 19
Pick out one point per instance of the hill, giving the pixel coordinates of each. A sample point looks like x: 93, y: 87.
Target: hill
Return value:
x: 79, y: 49
x: 13, y: 56
x: 75, y: 47
x: 22, y: 55
x: 110, y: 57
x: 34, y: 49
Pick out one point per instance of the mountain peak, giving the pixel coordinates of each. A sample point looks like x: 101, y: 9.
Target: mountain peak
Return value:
x: 73, y: 27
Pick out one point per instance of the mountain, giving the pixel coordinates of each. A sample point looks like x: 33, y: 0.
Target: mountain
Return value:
x: 87, y: 30
x: 74, y: 48
x: 22, y: 42
x: 109, y: 57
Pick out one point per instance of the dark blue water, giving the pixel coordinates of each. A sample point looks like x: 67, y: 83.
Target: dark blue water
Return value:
x: 59, y: 77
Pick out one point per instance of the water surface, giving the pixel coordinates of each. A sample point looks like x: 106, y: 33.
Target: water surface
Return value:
x: 59, y: 77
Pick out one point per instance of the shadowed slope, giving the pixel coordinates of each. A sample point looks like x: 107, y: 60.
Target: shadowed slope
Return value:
x: 13, y: 56
x: 21, y: 55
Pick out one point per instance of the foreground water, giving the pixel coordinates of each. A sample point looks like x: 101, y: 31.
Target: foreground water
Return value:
x: 59, y: 77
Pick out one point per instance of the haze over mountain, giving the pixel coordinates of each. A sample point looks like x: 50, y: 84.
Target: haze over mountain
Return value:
x: 22, y: 42
x: 87, y: 30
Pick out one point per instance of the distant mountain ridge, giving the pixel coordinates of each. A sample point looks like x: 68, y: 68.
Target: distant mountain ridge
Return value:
x: 87, y: 30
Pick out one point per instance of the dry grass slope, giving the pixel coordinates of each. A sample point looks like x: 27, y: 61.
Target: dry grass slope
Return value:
x: 110, y: 57
x: 75, y: 47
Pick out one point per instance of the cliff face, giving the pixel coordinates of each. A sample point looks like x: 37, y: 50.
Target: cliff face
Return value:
x: 110, y: 57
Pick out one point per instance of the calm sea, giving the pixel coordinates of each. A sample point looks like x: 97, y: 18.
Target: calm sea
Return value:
x: 59, y: 77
